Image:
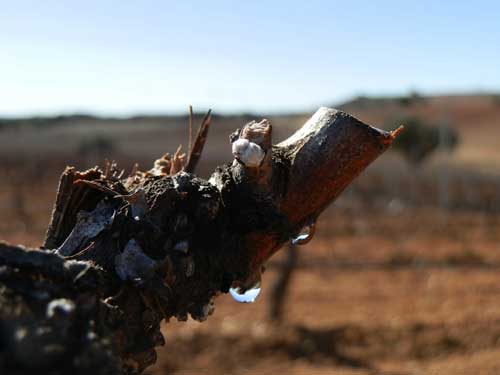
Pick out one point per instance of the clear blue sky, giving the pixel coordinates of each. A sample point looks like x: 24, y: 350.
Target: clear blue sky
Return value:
x: 125, y: 57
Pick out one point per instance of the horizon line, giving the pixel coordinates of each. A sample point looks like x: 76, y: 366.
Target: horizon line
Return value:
x: 111, y: 115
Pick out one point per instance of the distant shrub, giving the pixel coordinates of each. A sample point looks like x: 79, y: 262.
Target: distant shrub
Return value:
x: 419, y: 140
x: 412, y: 98
x: 496, y: 99
x: 97, y: 145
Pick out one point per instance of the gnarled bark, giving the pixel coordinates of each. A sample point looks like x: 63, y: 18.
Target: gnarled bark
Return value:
x: 122, y: 254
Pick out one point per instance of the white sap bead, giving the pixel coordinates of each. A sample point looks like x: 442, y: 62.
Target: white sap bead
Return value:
x: 247, y: 152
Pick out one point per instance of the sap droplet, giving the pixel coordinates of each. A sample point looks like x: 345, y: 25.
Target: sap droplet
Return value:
x: 247, y: 296
x: 305, y: 235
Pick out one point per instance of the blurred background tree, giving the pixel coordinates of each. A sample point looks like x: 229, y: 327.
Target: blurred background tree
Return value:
x: 94, y: 149
x: 281, y: 287
x: 419, y: 140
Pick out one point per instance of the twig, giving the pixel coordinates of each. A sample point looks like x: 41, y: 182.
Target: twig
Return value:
x: 199, y: 143
x: 190, y: 144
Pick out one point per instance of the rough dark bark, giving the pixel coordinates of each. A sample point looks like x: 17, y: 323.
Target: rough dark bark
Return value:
x: 122, y: 254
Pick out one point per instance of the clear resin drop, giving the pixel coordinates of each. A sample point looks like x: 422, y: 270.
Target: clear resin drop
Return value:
x: 247, y: 296
x: 305, y: 235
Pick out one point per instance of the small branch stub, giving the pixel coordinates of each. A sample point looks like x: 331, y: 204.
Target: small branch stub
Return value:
x: 252, y: 150
x: 248, y: 153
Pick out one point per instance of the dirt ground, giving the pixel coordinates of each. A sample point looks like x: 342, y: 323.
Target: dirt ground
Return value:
x: 396, y: 281
x: 384, y: 301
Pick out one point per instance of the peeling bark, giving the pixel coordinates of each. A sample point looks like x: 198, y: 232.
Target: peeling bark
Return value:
x: 130, y: 252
